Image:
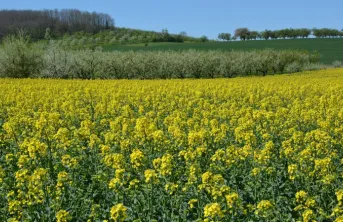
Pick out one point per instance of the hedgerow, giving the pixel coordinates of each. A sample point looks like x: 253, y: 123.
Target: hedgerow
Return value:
x: 23, y: 59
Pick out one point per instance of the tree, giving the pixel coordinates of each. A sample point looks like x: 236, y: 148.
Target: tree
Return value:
x: 242, y: 33
x: 305, y: 32
x: 325, y: 32
x: 183, y: 34
x: 274, y: 34
x: 334, y: 33
x: 266, y: 34
x: 253, y: 35
x: 224, y: 36
x: 20, y: 58
x: 47, y: 35
x: 284, y: 33
x: 316, y: 32
x: 165, y: 35
x: 58, y: 21
x: 204, y: 38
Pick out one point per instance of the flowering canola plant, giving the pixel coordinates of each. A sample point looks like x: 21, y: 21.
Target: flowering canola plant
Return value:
x: 244, y: 149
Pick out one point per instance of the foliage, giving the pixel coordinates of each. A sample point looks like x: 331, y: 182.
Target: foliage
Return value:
x: 122, y: 36
x: 204, y: 38
x: 19, y: 58
x: 315, y: 66
x: 242, y: 33
x: 224, y: 36
x: 89, y: 64
x: 59, y: 22
x: 337, y: 64
x: 246, y: 34
x: 293, y: 67
x: 25, y: 60
x: 58, y: 62
x: 244, y: 149
x: 325, y: 32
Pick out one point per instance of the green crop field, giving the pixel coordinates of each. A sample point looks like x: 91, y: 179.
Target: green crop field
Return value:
x: 330, y: 49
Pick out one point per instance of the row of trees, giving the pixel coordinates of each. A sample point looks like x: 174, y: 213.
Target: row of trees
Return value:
x: 325, y: 33
x: 58, y: 22
x: 19, y: 58
x: 122, y: 35
x: 246, y: 34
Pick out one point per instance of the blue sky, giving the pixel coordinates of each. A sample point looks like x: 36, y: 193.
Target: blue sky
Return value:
x: 204, y: 17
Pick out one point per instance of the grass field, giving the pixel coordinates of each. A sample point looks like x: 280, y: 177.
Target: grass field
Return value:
x: 330, y: 49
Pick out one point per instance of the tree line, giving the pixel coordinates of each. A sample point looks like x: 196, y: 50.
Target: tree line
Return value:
x: 21, y: 59
x: 65, y: 23
x: 57, y: 22
x: 246, y: 34
x: 118, y: 35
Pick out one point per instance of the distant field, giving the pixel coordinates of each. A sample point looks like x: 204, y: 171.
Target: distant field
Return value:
x: 330, y: 49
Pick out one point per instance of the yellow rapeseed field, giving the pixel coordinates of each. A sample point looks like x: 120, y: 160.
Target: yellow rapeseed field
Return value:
x: 245, y: 149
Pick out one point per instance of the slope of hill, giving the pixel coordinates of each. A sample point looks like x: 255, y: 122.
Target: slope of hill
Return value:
x: 119, y: 35
x: 42, y: 24
x: 331, y: 49
x: 76, y: 25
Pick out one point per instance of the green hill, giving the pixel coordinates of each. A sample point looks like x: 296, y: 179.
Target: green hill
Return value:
x: 331, y: 49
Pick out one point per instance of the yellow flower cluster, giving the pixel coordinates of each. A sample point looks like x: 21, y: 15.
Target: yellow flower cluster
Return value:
x: 118, y: 212
x: 62, y: 216
x: 264, y: 208
x: 212, y: 211
x: 244, y: 149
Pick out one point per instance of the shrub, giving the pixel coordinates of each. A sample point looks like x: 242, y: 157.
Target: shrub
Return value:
x: 314, y: 66
x: 293, y: 67
x: 337, y: 64
x: 58, y: 62
x: 86, y: 64
x: 19, y: 58
x: 194, y: 63
x: 185, y: 64
x: 211, y: 67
